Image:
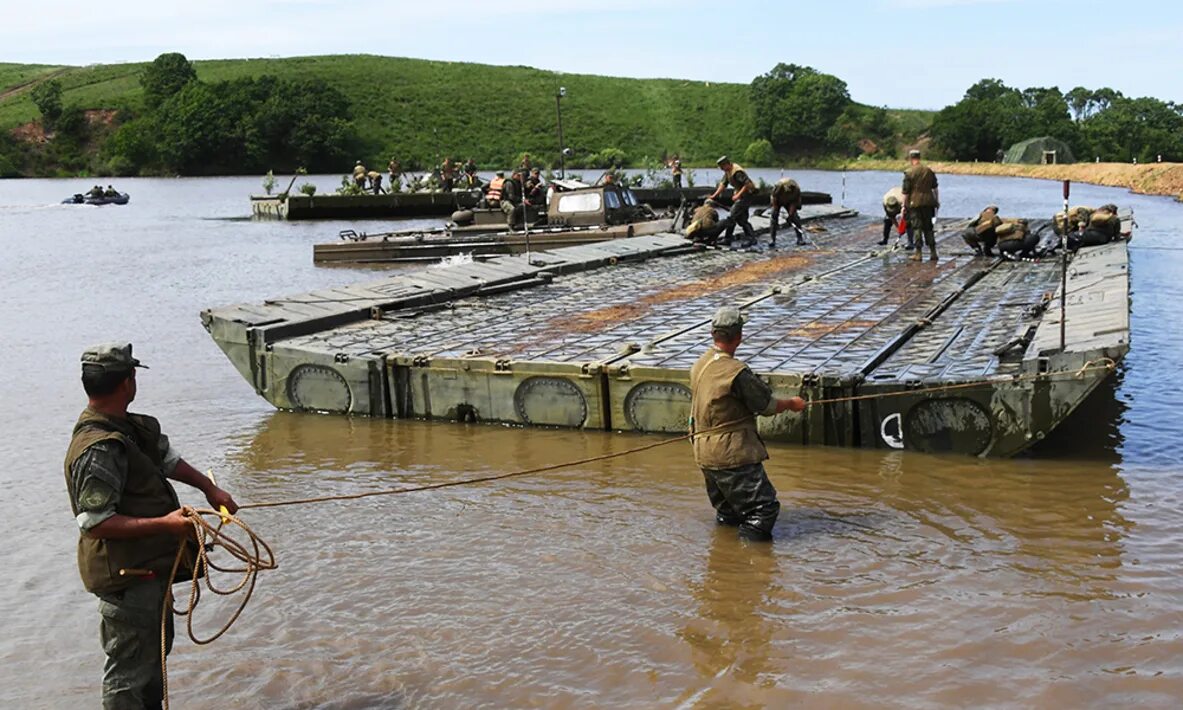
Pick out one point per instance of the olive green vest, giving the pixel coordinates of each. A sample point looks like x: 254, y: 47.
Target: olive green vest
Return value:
x: 146, y: 494
x: 787, y: 192
x: 922, y: 181
x: 1011, y: 230
x: 731, y: 179
x: 712, y: 404
x: 986, y: 221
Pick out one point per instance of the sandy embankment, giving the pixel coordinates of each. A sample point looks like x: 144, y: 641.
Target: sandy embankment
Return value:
x: 1149, y: 179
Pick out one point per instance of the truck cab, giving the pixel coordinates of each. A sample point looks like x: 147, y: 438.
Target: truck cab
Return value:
x: 571, y: 204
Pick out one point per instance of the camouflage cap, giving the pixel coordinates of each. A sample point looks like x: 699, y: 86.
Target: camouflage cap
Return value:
x: 112, y: 357
x: 727, y: 318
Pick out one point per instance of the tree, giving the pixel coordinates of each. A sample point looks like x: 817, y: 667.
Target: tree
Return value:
x: 165, y: 77
x: 47, y: 97
x: 759, y: 154
x: 796, y: 106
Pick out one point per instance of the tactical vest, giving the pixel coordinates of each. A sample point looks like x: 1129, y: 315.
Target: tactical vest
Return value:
x: 987, y: 220
x: 374, y: 174
x: 704, y: 217
x: 787, y: 192
x: 922, y: 181
x: 1102, y: 219
x: 146, y: 494
x: 1011, y: 230
x: 731, y: 176
x: 713, y: 404
x: 359, y: 171
x: 494, y: 193
x: 677, y: 170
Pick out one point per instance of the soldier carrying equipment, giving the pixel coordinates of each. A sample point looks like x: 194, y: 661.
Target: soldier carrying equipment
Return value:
x: 359, y: 175
x: 786, y: 194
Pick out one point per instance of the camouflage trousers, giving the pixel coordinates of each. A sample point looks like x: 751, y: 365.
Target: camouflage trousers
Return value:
x: 743, y: 496
x: 130, y: 633
x: 793, y: 218
x: 739, y: 216
x: 920, y: 224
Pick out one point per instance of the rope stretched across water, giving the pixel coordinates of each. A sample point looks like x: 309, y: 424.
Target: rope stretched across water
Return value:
x: 257, y: 555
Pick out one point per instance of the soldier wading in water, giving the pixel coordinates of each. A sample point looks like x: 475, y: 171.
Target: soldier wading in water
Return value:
x: 725, y: 399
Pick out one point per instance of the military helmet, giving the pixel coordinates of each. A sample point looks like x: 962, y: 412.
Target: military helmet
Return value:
x: 914, y: 153
x: 723, y: 160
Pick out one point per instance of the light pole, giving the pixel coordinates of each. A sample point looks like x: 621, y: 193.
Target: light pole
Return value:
x: 559, y: 112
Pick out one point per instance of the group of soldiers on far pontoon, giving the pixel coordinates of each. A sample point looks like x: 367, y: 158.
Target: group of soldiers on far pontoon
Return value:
x: 449, y: 175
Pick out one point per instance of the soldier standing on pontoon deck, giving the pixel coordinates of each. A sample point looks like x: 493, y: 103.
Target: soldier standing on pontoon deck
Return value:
x: 726, y: 397
x: 676, y: 171
x: 921, y: 202
x: 743, y: 192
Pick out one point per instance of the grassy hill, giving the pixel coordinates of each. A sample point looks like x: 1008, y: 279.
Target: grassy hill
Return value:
x: 422, y: 110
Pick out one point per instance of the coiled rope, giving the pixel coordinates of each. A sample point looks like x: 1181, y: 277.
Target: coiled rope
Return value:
x: 256, y: 555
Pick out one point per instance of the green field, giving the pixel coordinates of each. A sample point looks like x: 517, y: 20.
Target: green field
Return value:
x: 423, y: 110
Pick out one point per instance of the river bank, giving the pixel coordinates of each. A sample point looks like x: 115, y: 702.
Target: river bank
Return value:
x: 1147, y: 179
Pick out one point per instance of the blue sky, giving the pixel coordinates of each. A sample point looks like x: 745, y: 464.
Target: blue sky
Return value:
x: 899, y: 53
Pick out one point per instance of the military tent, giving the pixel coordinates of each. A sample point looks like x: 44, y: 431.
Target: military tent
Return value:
x: 1037, y: 151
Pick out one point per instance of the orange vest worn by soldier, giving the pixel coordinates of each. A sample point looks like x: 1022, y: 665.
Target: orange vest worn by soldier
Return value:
x: 495, y: 186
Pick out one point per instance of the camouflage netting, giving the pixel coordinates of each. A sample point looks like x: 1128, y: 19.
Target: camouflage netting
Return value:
x: 1032, y: 151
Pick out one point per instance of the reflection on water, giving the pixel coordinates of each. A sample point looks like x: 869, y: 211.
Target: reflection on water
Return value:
x: 894, y: 579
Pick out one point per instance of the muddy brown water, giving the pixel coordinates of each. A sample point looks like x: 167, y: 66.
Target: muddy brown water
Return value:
x: 895, y: 579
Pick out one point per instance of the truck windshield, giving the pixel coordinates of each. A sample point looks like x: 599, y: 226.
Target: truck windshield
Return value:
x: 629, y: 198
x: 612, y: 198
x: 579, y: 202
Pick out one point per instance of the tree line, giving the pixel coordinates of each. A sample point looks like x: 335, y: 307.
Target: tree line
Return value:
x: 1095, y: 123
x: 190, y: 127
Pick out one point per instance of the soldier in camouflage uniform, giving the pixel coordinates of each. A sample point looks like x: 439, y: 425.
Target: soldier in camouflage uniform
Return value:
x: 786, y: 195
x: 743, y: 193
x: 131, y: 522
x: 921, y: 202
x: 725, y: 399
